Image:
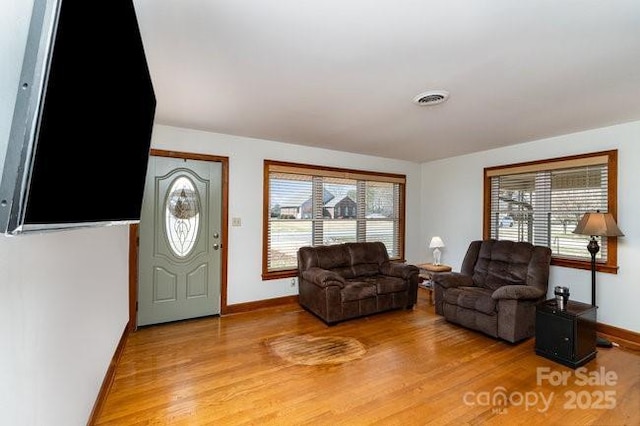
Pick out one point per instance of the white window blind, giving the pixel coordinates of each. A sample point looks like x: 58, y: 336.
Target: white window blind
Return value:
x: 542, y: 203
x: 312, y: 206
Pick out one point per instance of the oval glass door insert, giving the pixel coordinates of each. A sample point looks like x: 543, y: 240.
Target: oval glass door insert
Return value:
x: 182, y: 216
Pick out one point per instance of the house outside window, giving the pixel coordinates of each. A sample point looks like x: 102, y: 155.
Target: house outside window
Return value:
x: 541, y: 202
x: 311, y: 205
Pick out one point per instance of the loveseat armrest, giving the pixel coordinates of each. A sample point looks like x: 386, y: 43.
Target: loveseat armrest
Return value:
x: 399, y: 270
x: 451, y: 279
x: 323, y: 277
x: 518, y: 292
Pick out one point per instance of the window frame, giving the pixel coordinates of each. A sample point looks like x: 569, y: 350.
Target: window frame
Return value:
x: 611, y: 264
x: 317, y: 170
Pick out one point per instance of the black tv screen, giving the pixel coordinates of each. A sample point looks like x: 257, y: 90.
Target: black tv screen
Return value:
x: 83, y: 120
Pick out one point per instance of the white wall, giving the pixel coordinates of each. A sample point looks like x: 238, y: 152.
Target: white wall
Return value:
x: 246, y: 158
x: 63, y: 296
x: 452, y: 191
x: 63, y: 308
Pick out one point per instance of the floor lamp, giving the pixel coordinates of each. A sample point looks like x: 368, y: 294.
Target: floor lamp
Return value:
x: 602, y: 225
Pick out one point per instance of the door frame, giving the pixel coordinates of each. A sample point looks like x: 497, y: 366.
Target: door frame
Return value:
x: 134, y: 238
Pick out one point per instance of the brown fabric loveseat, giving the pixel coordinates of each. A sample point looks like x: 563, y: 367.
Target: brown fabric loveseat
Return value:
x: 497, y: 288
x: 350, y: 280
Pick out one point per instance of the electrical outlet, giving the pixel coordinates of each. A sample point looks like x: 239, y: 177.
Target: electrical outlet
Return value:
x: 236, y: 221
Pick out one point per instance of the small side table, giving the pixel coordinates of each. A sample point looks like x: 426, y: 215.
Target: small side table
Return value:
x: 566, y: 336
x: 426, y: 273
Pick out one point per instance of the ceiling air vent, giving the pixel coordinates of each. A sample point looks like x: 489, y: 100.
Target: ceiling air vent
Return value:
x: 432, y: 97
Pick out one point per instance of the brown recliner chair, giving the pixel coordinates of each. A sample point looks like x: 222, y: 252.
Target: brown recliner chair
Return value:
x: 497, y: 288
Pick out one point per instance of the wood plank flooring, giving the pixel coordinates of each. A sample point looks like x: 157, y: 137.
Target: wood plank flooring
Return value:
x: 418, y: 370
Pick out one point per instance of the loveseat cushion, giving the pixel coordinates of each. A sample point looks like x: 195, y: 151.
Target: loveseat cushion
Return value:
x: 385, y: 284
x: 344, y: 271
x: 325, y: 257
x: 357, y: 290
x: 322, y: 277
x: 400, y: 270
x: 368, y: 252
x: 365, y: 269
x: 475, y: 298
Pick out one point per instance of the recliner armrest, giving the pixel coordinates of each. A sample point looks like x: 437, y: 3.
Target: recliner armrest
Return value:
x: 518, y: 292
x: 323, y: 277
x: 451, y: 279
x: 399, y: 270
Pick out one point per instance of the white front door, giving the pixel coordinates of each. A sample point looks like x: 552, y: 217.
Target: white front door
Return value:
x: 179, y: 252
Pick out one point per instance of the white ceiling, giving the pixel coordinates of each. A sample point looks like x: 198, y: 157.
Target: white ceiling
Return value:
x: 342, y: 74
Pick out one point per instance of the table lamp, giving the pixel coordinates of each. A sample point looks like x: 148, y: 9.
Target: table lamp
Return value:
x: 436, y: 244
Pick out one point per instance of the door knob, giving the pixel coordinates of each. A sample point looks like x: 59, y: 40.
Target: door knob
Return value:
x: 216, y: 246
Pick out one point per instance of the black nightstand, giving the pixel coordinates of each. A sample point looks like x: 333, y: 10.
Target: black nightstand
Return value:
x: 568, y: 336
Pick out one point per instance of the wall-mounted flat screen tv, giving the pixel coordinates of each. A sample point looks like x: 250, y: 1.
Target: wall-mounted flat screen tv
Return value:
x: 81, y: 131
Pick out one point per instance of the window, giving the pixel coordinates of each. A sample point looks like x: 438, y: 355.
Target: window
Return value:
x: 182, y: 216
x: 541, y: 202
x: 311, y: 205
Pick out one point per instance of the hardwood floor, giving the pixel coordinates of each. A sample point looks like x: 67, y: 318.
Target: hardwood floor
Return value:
x: 417, y: 370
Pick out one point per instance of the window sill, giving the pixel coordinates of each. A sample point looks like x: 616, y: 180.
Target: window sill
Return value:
x: 579, y: 264
x: 289, y: 273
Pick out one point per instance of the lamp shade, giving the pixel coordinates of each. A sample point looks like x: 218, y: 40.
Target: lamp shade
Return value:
x: 601, y: 224
x: 436, y: 242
